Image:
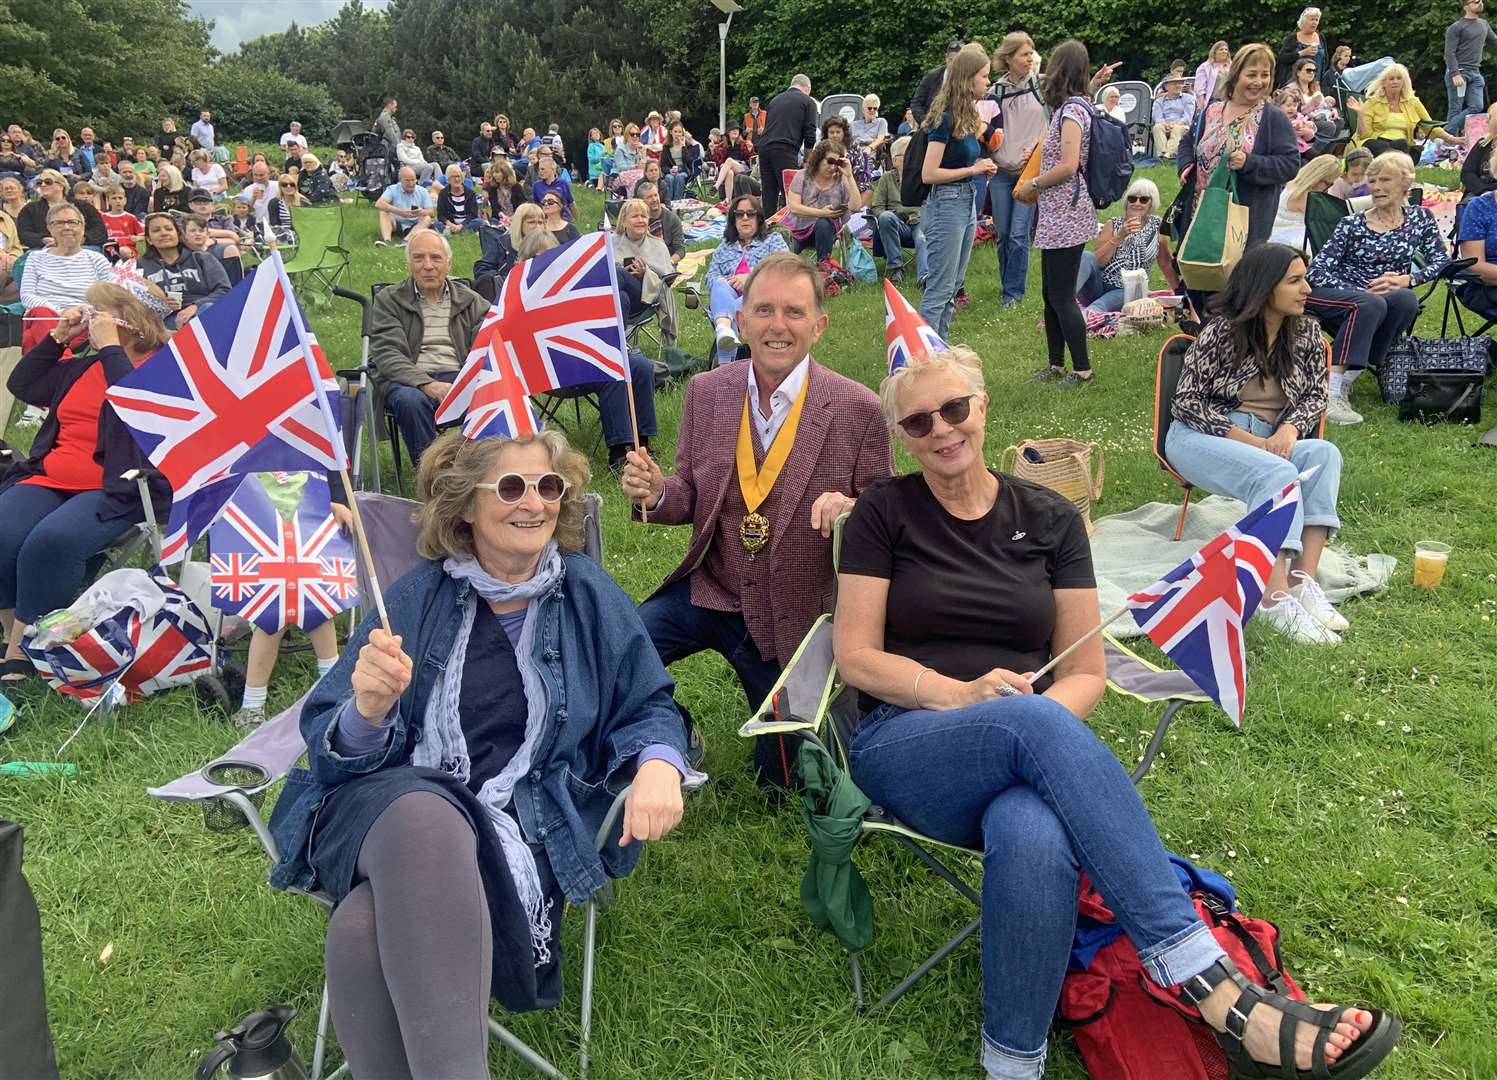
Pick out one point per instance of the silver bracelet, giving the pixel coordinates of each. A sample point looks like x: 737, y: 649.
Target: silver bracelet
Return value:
x: 915, y: 690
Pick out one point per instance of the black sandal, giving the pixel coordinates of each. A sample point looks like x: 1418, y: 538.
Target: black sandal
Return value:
x: 15, y: 671
x: 1364, y: 1055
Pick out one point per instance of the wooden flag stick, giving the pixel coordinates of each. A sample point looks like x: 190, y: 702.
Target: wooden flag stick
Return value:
x: 1083, y: 639
x: 358, y: 531
x: 644, y: 515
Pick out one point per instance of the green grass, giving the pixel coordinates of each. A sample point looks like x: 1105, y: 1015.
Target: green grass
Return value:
x: 1356, y: 809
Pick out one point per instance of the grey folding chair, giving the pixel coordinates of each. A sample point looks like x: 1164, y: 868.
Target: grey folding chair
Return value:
x: 231, y: 787
x: 811, y: 700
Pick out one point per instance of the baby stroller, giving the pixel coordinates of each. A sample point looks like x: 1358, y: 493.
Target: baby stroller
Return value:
x: 372, y: 157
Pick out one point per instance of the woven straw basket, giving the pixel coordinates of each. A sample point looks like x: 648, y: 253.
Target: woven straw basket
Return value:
x: 1072, y: 469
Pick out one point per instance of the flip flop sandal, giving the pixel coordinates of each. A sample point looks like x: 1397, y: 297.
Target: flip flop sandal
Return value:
x: 16, y: 671
x: 1364, y: 1055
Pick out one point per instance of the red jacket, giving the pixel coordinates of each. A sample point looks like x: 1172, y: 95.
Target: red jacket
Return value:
x: 842, y: 444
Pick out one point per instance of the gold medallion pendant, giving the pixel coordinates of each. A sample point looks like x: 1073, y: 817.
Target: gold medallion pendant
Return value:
x: 753, y: 532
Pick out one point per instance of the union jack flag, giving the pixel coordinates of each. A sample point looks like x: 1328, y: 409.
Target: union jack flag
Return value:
x: 909, y: 337
x: 277, y: 572
x: 557, y: 322
x: 145, y: 653
x: 1196, y: 612
x: 242, y: 388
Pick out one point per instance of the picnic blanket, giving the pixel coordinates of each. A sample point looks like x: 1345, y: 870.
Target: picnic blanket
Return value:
x: 1132, y: 550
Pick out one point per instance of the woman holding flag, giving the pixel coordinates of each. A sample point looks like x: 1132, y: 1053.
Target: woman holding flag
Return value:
x: 1247, y: 411
x: 463, y: 760
x: 956, y: 586
x: 68, y: 501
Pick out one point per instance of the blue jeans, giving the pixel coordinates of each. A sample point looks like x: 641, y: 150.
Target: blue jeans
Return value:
x: 1013, y: 222
x: 47, y: 539
x: 948, y: 222
x: 673, y: 186
x: 724, y: 304
x: 1227, y: 467
x: 823, y: 238
x: 1029, y: 784
x: 891, y: 236
x: 613, y: 401
x: 979, y: 194
x: 1092, y: 291
x: 415, y: 414
x: 1471, y: 98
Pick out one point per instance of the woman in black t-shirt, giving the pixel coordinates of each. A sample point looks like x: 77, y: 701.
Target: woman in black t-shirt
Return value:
x: 955, y: 584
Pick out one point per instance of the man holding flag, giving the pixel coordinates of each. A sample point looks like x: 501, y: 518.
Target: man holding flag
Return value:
x: 758, y: 570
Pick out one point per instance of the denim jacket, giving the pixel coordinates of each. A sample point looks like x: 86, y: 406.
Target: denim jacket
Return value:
x: 609, y: 698
x: 730, y: 253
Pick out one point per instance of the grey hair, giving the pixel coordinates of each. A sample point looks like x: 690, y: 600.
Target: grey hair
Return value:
x: 1144, y: 186
x: 62, y: 206
x: 872, y: 99
x: 446, y: 246
x: 957, y: 359
x: 802, y: 82
x: 1309, y: 12
x: 1393, y: 161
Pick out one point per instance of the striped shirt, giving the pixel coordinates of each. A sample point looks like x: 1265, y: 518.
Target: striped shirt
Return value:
x: 60, y: 281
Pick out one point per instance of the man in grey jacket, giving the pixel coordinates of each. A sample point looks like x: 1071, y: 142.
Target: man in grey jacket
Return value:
x: 388, y: 129
x: 420, y: 334
x: 1465, y: 86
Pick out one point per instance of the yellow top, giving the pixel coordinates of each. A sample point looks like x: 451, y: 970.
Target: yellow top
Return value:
x: 1380, y: 122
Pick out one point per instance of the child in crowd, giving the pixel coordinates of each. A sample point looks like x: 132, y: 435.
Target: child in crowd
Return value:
x: 1289, y: 101
x: 595, y: 152
x: 124, y: 227
x: 1353, y: 181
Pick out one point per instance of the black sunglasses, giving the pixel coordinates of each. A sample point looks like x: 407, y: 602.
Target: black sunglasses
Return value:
x: 1139, y: 199
x: 511, y: 487
x: 919, y: 425
x: 746, y: 213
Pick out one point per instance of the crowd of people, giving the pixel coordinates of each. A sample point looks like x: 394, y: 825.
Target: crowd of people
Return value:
x: 461, y: 756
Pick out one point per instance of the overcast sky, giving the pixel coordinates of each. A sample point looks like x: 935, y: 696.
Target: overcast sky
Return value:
x: 239, y: 20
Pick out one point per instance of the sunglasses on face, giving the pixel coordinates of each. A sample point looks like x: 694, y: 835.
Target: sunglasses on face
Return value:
x: 1135, y: 199
x: 511, y: 487
x: 549, y: 202
x: 754, y: 214
x: 919, y: 425
x: 287, y: 187
x: 45, y: 182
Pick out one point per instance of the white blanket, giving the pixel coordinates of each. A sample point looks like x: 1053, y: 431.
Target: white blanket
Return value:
x: 1133, y: 550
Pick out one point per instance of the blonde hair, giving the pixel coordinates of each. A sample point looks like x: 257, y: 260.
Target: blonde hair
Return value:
x: 1324, y: 169
x: 295, y: 194
x: 538, y: 241
x: 523, y: 213
x: 955, y: 96
x: 957, y: 359
x: 1375, y: 88
x: 1393, y: 161
x: 171, y: 174
x: 1241, y: 59
x: 1009, y: 48
x: 502, y: 172
x: 455, y: 467
x: 118, y: 300
x: 630, y: 207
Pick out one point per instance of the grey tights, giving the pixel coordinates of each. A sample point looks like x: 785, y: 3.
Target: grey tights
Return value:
x: 409, y: 949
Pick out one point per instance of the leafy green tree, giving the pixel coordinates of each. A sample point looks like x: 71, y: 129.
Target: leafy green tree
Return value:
x: 249, y: 102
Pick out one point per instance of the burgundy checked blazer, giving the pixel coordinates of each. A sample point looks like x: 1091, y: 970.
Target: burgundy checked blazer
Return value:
x: 842, y: 444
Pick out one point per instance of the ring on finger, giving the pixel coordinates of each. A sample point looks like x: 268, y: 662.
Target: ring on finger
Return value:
x: 1007, y: 691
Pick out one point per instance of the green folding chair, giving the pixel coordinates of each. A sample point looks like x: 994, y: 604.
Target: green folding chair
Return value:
x: 321, y: 261
x: 811, y: 700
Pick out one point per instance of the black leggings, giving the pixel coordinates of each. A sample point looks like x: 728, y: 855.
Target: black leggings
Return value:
x: 409, y: 950
x: 1065, y: 327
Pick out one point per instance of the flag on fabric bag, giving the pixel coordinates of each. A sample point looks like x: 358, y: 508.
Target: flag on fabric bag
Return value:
x: 909, y: 337
x: 557, y: 322
x: 278, y: 557
x: 151, y: 637
x: 1196, y: 612
x: 242, y: 388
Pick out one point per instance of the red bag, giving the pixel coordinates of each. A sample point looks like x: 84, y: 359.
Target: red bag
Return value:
x: 1128, y: 1028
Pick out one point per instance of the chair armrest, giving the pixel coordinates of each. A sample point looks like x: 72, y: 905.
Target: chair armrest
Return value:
x: 1455, y: 268
x: 799, y: 699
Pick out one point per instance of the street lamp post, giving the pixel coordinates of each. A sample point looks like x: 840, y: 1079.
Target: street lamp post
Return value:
x: 728, y: 8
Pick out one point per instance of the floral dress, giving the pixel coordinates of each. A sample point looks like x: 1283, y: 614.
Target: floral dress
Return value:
x: 1219, y: 139
x: 1065, y: 216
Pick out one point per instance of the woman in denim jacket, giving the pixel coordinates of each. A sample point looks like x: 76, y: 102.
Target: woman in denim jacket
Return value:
x: 460, y: 768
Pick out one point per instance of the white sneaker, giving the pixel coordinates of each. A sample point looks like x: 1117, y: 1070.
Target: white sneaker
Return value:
x: 1288, y: 617
x: 726, y: 338
x: 1339, y: 411
x: 1313, y: 599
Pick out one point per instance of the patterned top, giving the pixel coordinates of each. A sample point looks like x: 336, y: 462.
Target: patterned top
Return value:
x: 1065, y: 215
x: 1219, y: 139
x: 1355, y: 255
x: 730, y: 255
x: 1213, y: 378
x: 1136, y: 252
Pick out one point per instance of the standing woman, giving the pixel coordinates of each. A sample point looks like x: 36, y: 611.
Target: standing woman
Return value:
x: 1304, y: 44
x: 953, y: 158
x: 1211, y: 75
x: 1243, y: 134
x: 1018, y: 96
x: 1066, y: 220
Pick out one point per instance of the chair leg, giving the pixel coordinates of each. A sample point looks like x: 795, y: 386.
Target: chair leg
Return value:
x: 920, y: 972
x: 1152, y: 750
x: 1180, y: 524
x: 319, y: 1048
x: 589, y: 955
x: 857, y: 981
x: 523, y: 1051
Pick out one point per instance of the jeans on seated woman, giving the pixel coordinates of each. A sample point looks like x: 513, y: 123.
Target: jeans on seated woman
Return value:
x: 823, y: 238
x: 673, y: 186
x: 1092, y: 292
x: 723, y: 303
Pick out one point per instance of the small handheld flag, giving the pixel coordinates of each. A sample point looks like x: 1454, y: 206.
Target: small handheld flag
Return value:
x: 909, y: 337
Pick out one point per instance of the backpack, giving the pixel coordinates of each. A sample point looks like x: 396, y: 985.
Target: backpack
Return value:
x: 913, y: 190
x: 1109, y: 162
x: 1127, y: 1027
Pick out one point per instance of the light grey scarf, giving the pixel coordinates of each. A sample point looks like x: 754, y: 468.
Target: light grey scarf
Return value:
x: 445, y: 748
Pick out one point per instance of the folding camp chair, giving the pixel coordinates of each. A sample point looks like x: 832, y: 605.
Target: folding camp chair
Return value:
x: 231, y: 787
x: 321, y: 261
x: 811, y: 700
x: 358, y: 413
x: 1136, y: 99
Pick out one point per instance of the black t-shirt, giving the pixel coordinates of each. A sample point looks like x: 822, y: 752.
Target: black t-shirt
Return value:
x: 968, y: 596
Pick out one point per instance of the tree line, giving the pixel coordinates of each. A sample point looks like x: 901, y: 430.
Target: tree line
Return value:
x: 121, y: 65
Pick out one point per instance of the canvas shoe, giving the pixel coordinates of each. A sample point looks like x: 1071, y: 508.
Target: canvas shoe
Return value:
x: 1313, y: 599
x: 726, y: 338
x: 1339, y: 411
x: 1288, y: 617
x: 249, y: 716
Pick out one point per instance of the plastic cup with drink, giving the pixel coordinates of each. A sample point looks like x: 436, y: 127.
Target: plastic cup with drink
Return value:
x: 1430, y: 559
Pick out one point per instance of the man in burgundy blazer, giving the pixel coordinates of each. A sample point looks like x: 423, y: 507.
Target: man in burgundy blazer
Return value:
x: 755, y: 611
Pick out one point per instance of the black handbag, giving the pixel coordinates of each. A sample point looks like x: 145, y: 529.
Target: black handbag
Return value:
x: 1410, y: 354
x: 1438, y: 394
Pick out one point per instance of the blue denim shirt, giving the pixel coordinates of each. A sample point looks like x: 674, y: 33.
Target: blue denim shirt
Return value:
x: 609, y: 698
